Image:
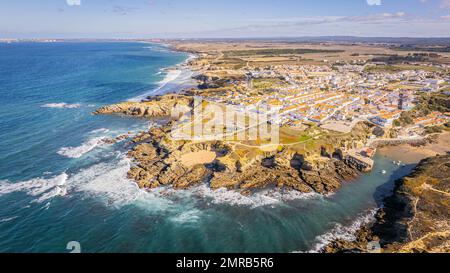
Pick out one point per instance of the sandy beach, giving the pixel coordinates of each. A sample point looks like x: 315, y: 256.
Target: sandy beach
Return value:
x: 410, y: 154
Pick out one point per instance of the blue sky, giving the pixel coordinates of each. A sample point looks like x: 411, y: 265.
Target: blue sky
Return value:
x: 222, y: 18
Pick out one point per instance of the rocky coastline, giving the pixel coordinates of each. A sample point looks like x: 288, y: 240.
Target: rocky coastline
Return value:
x: 153, y: 107
x: 158, y: 157
x: 414, y: 219
x: 158, y: 162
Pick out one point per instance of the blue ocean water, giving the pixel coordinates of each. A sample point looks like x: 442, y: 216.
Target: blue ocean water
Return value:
x: 59, y: 183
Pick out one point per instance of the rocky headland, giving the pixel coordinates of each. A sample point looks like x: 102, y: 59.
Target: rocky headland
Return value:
x: 162, y: 161
x: 415, y: 218
x: 153, y: 107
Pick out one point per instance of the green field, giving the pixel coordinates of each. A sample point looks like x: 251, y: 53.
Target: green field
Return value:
x: 399, y: 68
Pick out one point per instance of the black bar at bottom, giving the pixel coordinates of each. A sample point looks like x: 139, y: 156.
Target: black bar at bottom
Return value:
x: 224, y: 262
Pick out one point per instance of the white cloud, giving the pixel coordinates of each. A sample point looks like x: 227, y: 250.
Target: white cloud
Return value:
x: 324, y: 22
x: 73, y: 2
x: 374, y: 2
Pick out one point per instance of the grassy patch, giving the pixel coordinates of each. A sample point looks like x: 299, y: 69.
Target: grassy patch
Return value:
x: 399, y: 68
x: 268, y: 83
x: 304, y: 138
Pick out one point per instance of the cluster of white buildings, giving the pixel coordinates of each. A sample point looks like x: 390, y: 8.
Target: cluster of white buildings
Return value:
x: 320, y: 93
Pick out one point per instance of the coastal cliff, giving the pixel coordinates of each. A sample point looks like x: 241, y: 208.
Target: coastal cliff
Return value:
x: 415, y: 218
x: 160, y: 160
x: 157, y: 106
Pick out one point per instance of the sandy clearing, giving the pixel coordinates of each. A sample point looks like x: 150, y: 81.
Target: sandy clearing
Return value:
x: 196, y: 158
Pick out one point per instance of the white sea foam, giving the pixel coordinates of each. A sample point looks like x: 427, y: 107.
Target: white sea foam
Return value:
x: 191, y: 57
x: 260, y: 199
x: 100, y: 130
x: 157, y: 49
x: 97, y: 139
x: 108, y: 181
x: 111, y: 182
x: 341, y: 232
x: 61, y: 105
x: 187, y: 216
x: 4, y: 220
x: 85, y: 147
x: 171, y: 76
x: 105, y: 180
x: 174, y: 80
x: 43, y: 189
x: 294, y: 195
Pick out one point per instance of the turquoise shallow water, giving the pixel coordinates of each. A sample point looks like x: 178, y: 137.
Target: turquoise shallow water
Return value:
x: 58, y: 184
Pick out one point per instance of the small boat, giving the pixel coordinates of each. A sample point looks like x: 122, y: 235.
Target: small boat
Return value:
x: 383, y: 172
x: 396, y: 163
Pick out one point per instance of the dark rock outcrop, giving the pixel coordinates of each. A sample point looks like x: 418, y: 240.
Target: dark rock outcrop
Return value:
x: 416, y: 218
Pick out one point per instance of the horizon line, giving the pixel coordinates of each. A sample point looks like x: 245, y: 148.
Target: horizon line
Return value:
x: 229, y: 38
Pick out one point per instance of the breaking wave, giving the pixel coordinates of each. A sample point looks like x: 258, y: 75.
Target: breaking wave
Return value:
x: 43, y: 189
x: 108, y: 181
x: 100, y: 130
x: 97, y: 139
x: 4, y: 220
x: 341, y: 232
x: 61, y: 105
x: 260, y: 199
x: 174, y: 80
x: 189, y: 216
x: 85, y: 147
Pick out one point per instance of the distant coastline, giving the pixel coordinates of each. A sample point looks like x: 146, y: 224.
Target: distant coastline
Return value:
x: 349, y: 39
x: 177, y: 78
